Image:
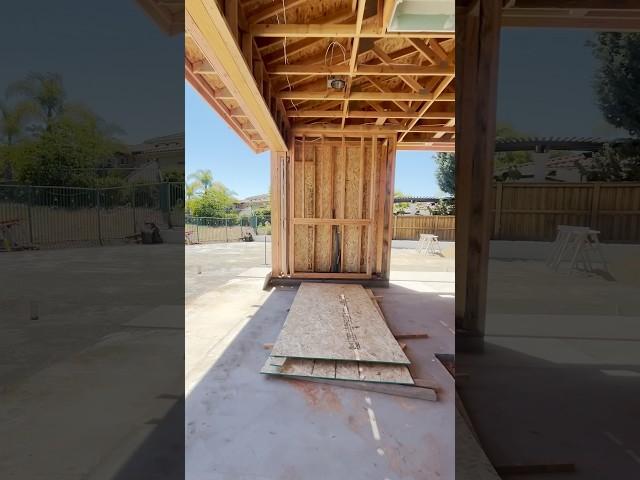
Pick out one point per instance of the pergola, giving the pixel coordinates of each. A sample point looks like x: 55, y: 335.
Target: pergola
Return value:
x: 332, y: 91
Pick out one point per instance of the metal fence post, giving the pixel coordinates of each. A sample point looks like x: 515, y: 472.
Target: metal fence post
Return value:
x: 226, y: 230
x: 133, y: 206
x: 197, y: 233
x: 30, y: 188
x: 98, y: 209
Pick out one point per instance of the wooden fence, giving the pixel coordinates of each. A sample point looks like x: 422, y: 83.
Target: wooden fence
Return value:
x: 531, y: 211
x: 409, y: 227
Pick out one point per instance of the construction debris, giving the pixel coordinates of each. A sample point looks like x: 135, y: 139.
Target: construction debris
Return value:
x: 337, y: 333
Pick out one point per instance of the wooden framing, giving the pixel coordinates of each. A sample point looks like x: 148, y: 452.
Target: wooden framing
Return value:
x: 338, y: 181
x: 478, y: 25
x: 478, y: 41
x: 290, y: 50
x: 333, y: 95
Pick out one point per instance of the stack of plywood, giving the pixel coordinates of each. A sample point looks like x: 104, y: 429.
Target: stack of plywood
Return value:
x: 337, y: 332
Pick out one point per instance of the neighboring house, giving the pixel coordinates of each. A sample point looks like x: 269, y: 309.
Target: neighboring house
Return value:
x: 146, y: 162
x: 249, y: 205
x: 167, y: 152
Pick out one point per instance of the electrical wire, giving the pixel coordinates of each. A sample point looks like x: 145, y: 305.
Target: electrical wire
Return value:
x: 284, y: 48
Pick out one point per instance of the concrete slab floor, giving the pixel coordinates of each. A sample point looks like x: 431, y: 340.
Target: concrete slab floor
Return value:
x: 81, y: 391
x: 559, y: 380
x: 242, y: 425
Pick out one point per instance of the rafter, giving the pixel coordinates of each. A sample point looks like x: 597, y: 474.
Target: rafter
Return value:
x: 424, y: 110
x: 369, y: 114
x: 398, y: 70
x: 354, y: 58
x: 271, y: 10
x: 333, y: 31
x: 382, y: 96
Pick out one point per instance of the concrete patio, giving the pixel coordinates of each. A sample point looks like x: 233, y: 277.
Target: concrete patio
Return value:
x: 269, y: 428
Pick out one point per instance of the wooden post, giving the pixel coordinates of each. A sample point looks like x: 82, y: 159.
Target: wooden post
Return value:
x: 498, y: 213
x: 595, y: 206
x: 276, y: 214
x: 477, y: 39
x: 291, y: 212
x: 391, y: 176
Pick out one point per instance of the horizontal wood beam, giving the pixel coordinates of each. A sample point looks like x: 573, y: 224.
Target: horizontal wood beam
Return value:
x: 396, y: 70
x: 331, y: 221
x: 533, y: 19
x: 366, y: 96
x: 369, y: 114
x: 364, y: 129
x: 271, y: 9
x: 427, y: 146
x: 210, y: 32
x: 209, y: 95
x: 321, y: 30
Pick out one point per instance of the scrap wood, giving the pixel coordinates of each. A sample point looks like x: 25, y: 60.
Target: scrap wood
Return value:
x: 410, y: 336
x: 520, y: 469
x: 407, y: 391
x: 337, y: 322
x: 338, y: 370
x: 425, y: 383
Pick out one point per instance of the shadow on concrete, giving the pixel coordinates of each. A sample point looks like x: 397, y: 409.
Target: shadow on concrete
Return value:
x: 244, y: 425
x: 533, y: 411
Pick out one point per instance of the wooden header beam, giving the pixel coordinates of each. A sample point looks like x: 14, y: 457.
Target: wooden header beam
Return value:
x: 210, y: 31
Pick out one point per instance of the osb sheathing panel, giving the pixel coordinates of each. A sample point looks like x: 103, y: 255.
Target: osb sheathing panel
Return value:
x: 335, y: 181
x: 303, y: 13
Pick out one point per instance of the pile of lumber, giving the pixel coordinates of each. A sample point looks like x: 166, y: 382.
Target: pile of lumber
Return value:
x: 336, y: 334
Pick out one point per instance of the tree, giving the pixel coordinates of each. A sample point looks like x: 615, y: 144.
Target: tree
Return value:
x: 446, y: 172
x: 202, y: 179
x: 190, y: 190
x: 400, y: 208
x: 443, y: 207
x: 14, y: 119
x: 509, y: 161
x: 65, y: 153
x: 45, y: 89
x: 616, y: 80
x: 216, y: 201
x: 614, y: 163
x: 13, y: 122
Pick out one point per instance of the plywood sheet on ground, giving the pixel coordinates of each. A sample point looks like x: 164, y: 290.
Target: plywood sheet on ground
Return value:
x: 336, y: 322
x: 339, y: 370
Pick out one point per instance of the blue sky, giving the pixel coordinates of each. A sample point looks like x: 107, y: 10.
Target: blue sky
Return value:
x: 546, y: 84
x: 118, y: 61
x: 212, y: 145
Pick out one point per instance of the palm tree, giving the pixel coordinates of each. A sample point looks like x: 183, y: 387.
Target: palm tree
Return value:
x: 203, y: 178
x: 45, y: 89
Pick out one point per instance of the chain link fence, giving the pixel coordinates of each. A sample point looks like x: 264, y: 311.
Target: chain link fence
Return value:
x: 233, y: 229
x: 37, y: 216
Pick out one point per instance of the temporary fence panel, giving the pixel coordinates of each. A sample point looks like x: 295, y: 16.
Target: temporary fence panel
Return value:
x: 47, y: 216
